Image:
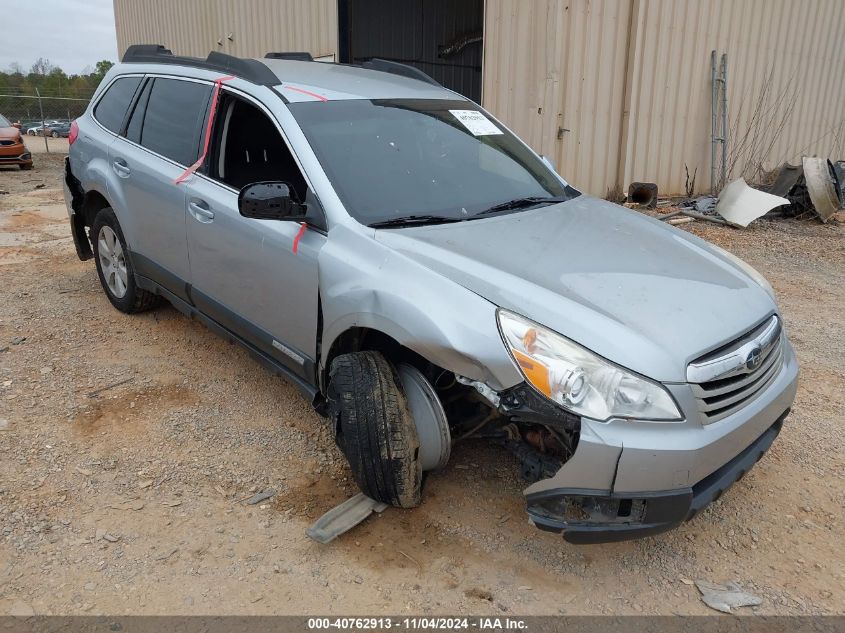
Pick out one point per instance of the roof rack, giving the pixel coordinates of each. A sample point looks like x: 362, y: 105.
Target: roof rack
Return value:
x: 376, y: 63
x: 249, y: 69
x: 396, y: 68
x: 293, y: 56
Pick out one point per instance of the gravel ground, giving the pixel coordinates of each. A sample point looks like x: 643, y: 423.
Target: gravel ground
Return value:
x: 130, y: 445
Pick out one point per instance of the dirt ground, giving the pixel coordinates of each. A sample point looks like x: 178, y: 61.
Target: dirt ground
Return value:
x: 129, y: 445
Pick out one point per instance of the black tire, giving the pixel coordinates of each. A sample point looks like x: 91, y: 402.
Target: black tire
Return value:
x: 374, y: 428
x: 135, y: 299
x: 26, y: 166
x: 55, y: 135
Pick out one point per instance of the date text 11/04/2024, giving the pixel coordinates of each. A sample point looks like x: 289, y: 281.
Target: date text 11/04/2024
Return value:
x: 422, y: 623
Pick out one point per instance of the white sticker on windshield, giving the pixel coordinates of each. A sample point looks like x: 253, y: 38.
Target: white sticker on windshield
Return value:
x: 476, y: 122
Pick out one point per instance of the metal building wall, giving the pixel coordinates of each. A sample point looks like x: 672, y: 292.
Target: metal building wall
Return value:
x: 248, y: 28
x: 554, y: 72
x: 784, y: 96
x: 611, y: 90
x: 630, y: 81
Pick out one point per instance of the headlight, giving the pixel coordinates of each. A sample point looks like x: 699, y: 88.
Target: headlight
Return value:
x: 579, y: 380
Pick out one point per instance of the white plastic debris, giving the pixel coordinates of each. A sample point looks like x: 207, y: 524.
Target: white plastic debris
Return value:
x: 740, y: 204
x: 821, y: 186
x: 344, y: 517
x: 725, y: 597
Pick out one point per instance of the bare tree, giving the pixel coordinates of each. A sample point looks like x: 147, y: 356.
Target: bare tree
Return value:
x: 42, y: 66
x: 750, y: 144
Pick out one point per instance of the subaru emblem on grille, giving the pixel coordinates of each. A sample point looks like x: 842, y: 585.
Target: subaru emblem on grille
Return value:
x: 754, y: 358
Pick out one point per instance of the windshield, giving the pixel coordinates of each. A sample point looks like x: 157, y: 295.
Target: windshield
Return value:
x: 4, y: 122
x: 396, y: 158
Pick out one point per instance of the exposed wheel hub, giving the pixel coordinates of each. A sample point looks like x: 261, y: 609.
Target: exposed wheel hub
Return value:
x: 429, y: 418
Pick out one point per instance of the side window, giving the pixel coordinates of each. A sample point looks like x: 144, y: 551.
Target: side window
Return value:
x: 136, y: 119
x: 112, y: 106
x: 173, y: 118
x: 248, y: 148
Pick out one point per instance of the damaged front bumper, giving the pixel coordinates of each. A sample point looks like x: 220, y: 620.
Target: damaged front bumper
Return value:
x: 590, y: 516
x: 632, y: 479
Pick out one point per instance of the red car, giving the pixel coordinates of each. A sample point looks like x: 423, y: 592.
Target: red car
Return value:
x: 12, y: 149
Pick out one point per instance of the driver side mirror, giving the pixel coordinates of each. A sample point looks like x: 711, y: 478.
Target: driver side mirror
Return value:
x: 270, y: 201
x: 17, y: 125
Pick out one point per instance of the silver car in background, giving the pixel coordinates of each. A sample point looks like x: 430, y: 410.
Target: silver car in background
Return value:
x: 422, y: 275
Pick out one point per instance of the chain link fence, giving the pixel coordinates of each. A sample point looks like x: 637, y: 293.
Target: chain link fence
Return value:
x: 35, y: 112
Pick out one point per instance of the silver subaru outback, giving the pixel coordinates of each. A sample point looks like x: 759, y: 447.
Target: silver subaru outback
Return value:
x: 423, y: 276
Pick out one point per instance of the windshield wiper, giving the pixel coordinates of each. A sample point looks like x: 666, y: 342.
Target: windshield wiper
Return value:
x: 411, y: 220
x: 521, y: 203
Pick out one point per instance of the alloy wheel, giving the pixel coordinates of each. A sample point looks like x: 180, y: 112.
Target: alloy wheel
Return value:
x: 112, y: 262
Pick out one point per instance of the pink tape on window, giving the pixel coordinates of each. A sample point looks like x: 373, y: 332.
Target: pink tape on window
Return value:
x: 215, y: 95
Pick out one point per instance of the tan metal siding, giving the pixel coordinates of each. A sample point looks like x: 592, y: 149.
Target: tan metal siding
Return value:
x: 552, y: 64
x: 784, y: 50
x: 194, y: 27
x: 631, y: 80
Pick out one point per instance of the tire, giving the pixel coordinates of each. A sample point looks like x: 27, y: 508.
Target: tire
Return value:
x: 26, y: 167
x: 55, y: 135
x: 374, y: 428
x: 114, y: 267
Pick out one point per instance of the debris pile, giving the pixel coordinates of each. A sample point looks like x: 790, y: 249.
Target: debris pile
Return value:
x: 815, y: 188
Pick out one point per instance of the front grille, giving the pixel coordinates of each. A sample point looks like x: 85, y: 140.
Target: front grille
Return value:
x: 7, y: 142
x: 738, y: 385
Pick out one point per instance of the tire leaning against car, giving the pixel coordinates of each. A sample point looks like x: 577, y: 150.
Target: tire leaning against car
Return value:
x: 374, y: 428
x: 134, y: 299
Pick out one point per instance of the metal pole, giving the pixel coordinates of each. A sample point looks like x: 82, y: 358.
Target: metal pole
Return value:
x: 41, y: 108
x: 724, y: 119
x: 713, y: 107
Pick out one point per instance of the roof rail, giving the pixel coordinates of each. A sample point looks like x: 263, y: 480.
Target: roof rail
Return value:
x: 293, y: 56
x: 396, y: 68
x: 250, y: 69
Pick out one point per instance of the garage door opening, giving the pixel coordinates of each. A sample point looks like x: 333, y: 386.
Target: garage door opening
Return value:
x: 443, y: 38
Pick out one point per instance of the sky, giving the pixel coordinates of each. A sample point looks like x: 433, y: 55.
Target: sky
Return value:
x: 73, y: 34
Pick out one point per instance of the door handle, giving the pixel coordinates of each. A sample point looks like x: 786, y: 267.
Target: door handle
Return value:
x: 121, y: 168
x: 199, y: 209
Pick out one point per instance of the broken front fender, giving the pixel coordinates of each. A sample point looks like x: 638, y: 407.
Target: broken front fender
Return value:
x: 364, y: 283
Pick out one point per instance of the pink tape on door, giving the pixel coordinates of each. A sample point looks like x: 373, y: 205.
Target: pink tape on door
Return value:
x: 215, y: 96
x: 298, y: 237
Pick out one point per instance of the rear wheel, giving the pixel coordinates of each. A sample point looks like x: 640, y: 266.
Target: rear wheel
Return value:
x: 374, y: 428
x: 114, y: 267
x: 55, y: 135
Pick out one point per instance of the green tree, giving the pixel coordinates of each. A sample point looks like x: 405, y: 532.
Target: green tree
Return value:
x: 101, y: 68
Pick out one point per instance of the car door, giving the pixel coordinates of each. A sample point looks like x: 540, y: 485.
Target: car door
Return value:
x: 246, y: 274
x: 160, y: 140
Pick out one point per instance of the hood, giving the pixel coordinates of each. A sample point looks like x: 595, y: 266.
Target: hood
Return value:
x: 9, y: 133
x: 635, y: 290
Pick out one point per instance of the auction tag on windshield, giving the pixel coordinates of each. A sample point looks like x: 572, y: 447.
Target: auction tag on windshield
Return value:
x: 476, y: 122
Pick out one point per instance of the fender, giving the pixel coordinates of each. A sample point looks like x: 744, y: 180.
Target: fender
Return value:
x: 366, y: 284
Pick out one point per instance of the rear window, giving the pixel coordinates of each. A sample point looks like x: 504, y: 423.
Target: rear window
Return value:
x: 113, y: 105
x: 173, y: 118
x: 136, y: 119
